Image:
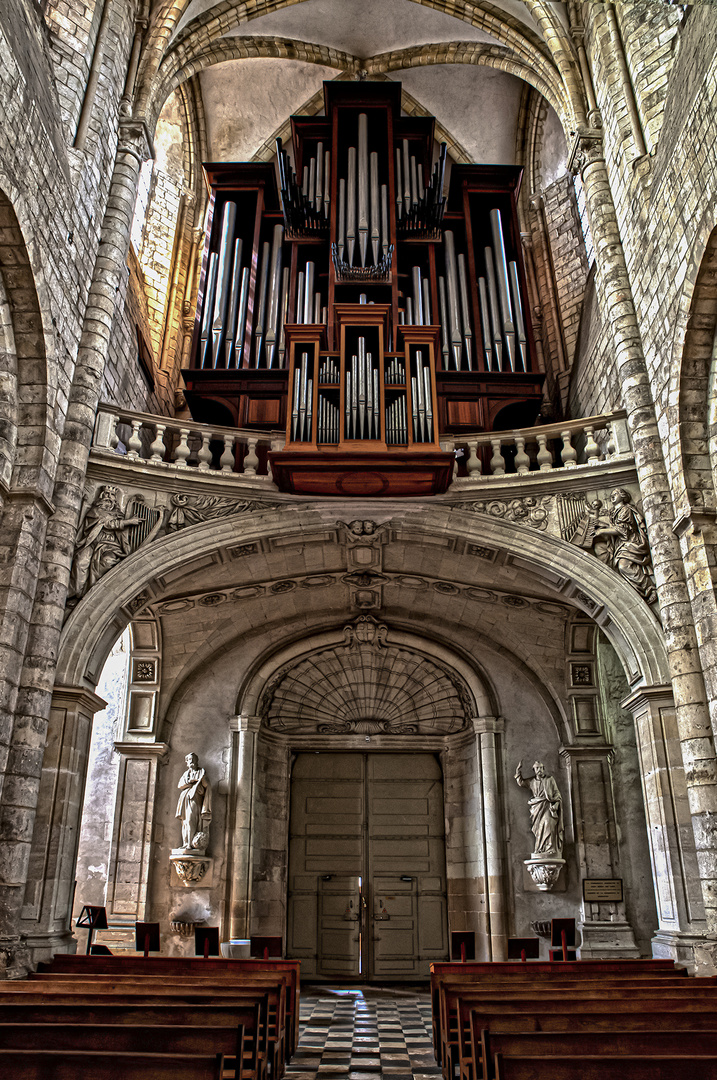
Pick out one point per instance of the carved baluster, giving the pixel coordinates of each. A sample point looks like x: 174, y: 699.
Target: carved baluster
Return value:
x: 473, y: 464
x: 522, y: 461
x: 227, y: 459
x: 182, y: 450
x: 204, y: 454
x: 592, y: 450
x: 545, y: 458
x: 157, y: 447
x: 611, y: 445
x: 251, y: 459
x: 134, y: 443
x: 497, y: 462
x: 569, y: 454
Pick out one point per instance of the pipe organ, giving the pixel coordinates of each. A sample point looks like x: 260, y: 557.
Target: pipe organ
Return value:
x: 360, y: 299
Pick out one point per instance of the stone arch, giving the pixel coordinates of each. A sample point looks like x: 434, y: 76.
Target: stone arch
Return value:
x: 24, y: 419
x: 99, y: 618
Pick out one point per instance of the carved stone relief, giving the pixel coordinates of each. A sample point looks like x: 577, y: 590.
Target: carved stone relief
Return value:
x: 533, y: 511
x: 194, y: 809
x: 617, y: 535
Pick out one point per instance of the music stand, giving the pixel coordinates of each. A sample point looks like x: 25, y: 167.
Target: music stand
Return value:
x: 206, y: 941
x: 94, y: 918
x: 146, y: 937
x: 523, y: 948
x: 463, y: 945
x: 263, y: 947
x: 562, y: 936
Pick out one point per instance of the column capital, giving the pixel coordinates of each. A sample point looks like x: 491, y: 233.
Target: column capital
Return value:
x: 586, y: 753
x: 649, y: 697
x: 143, y: 750
x: 587, y: 149
x: 482, y: 724
x: 134, y: 138
x: 244, y: 723
x: 79, y: 697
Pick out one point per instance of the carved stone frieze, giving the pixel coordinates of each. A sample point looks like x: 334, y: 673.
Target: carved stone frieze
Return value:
x: 189, y: 510
x: 530, y: 510
x: 365, y: 631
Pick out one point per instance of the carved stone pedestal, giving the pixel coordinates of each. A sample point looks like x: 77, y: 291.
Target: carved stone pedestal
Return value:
x: 544, y: 872
x: 192, y: 870
x: 607, y: 939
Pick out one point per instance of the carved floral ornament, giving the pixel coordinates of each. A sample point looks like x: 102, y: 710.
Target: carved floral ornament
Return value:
x: 366, y: 686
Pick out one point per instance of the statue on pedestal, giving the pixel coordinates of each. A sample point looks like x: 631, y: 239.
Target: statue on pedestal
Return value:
x: 546, y: 811
x: 194, y: 807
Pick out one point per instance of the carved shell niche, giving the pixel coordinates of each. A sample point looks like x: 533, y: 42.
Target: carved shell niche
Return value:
x: 367, y: 691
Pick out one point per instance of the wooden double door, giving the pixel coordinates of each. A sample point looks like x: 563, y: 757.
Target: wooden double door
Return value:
x: 367, y: 877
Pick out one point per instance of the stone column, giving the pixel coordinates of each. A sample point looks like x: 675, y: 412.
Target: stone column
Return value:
x: 45, y: 891
x: 487, y: 730
x: 240, y: 818
x: 605, y: 929
x: 132, y: 834
x: 32, y: 702
x: 693, y: 719
x: 675, y: 872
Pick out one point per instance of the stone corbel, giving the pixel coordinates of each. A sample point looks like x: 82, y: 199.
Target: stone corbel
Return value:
x: 695, y: 519
x: 587, y: 149
x: 135, y: 139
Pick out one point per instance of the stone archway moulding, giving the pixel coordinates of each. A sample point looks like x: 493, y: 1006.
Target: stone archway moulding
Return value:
x: 628, y: 623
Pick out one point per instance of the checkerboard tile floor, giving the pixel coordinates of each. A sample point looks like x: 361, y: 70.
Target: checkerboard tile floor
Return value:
x: 364, y: 1035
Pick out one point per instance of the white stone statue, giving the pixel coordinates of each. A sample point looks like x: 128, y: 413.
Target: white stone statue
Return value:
x: 194, y: 807
x: 546, y: 812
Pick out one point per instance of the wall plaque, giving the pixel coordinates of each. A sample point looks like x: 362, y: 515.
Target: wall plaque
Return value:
x: 602, y: 890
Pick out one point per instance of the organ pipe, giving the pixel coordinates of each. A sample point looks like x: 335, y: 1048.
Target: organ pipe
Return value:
x: 233, y: 303
x: 363, y: 185
x: 226, y: 244
x: 261, y: 315
x: 503, y: 289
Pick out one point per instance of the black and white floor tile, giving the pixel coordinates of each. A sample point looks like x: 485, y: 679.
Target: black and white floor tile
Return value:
x: 364, y: 1034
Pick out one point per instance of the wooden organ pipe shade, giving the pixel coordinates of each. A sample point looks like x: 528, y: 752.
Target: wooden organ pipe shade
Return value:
x: 351, y: 297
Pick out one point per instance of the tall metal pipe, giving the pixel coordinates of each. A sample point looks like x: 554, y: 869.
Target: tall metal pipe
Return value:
x: 453, y: 302
x: 494, y: 310
x: 406, y: 177
x: 417, y: 296
x: 210, y: 282
x: 518, y: 309
x: 426, y: 302
x: 274, y: 294
x: 261, y: 314
x: 341, y: 239
x: 299, y: 317
x: 375, y: 208
x: 445, y: 350
x: 351, y: 205
x: 363, y: 185
x: 319, y: 196
x: 233, y: 302
x: 503, y: 287
x: 465, y: 310
x: 284, y: 314
x: 312, y: 180
x: 221, y: 299
x: 485, y: 323
x: 296, y: 403
x: 317, y: 308
x: 240, y: 332
x: 369, y: 395
x: 361, y: 386
x: 309, y: 293
x: 414, y: 187
x: 399, y: 185
x: 384, y: 219
x: 327, y: 183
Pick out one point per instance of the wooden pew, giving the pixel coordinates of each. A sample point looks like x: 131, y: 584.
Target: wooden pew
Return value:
x: 67, y: 963
x: 458, y: 1003
x: 587, y: 1043
x: 110, y: 1065
x: 25, y: 1001
x: 601, y: 1068
x: 150, y: 987
x: 479, y: 972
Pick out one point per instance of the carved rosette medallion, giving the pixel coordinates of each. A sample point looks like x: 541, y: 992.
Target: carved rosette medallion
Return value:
x: 545, y: 872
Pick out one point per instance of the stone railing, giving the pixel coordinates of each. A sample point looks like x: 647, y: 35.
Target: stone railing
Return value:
x: 482, y: 457
x: 161, y: 440
x: 491, y: 455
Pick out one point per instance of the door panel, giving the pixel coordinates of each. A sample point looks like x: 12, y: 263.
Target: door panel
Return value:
x: 374, y: 823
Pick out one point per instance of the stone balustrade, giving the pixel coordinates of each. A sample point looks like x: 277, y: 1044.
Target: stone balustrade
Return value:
x: 480, y: 457
x: 566, y: 445
x: 184, y: 444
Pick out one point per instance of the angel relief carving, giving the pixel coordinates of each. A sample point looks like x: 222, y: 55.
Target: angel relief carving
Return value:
x: 110, y: 532
x: 617, y: 535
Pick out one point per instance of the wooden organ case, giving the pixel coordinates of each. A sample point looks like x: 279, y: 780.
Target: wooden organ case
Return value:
x: 346, y: 298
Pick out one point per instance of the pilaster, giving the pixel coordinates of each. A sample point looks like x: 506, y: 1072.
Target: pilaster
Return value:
x: 487, y: 731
